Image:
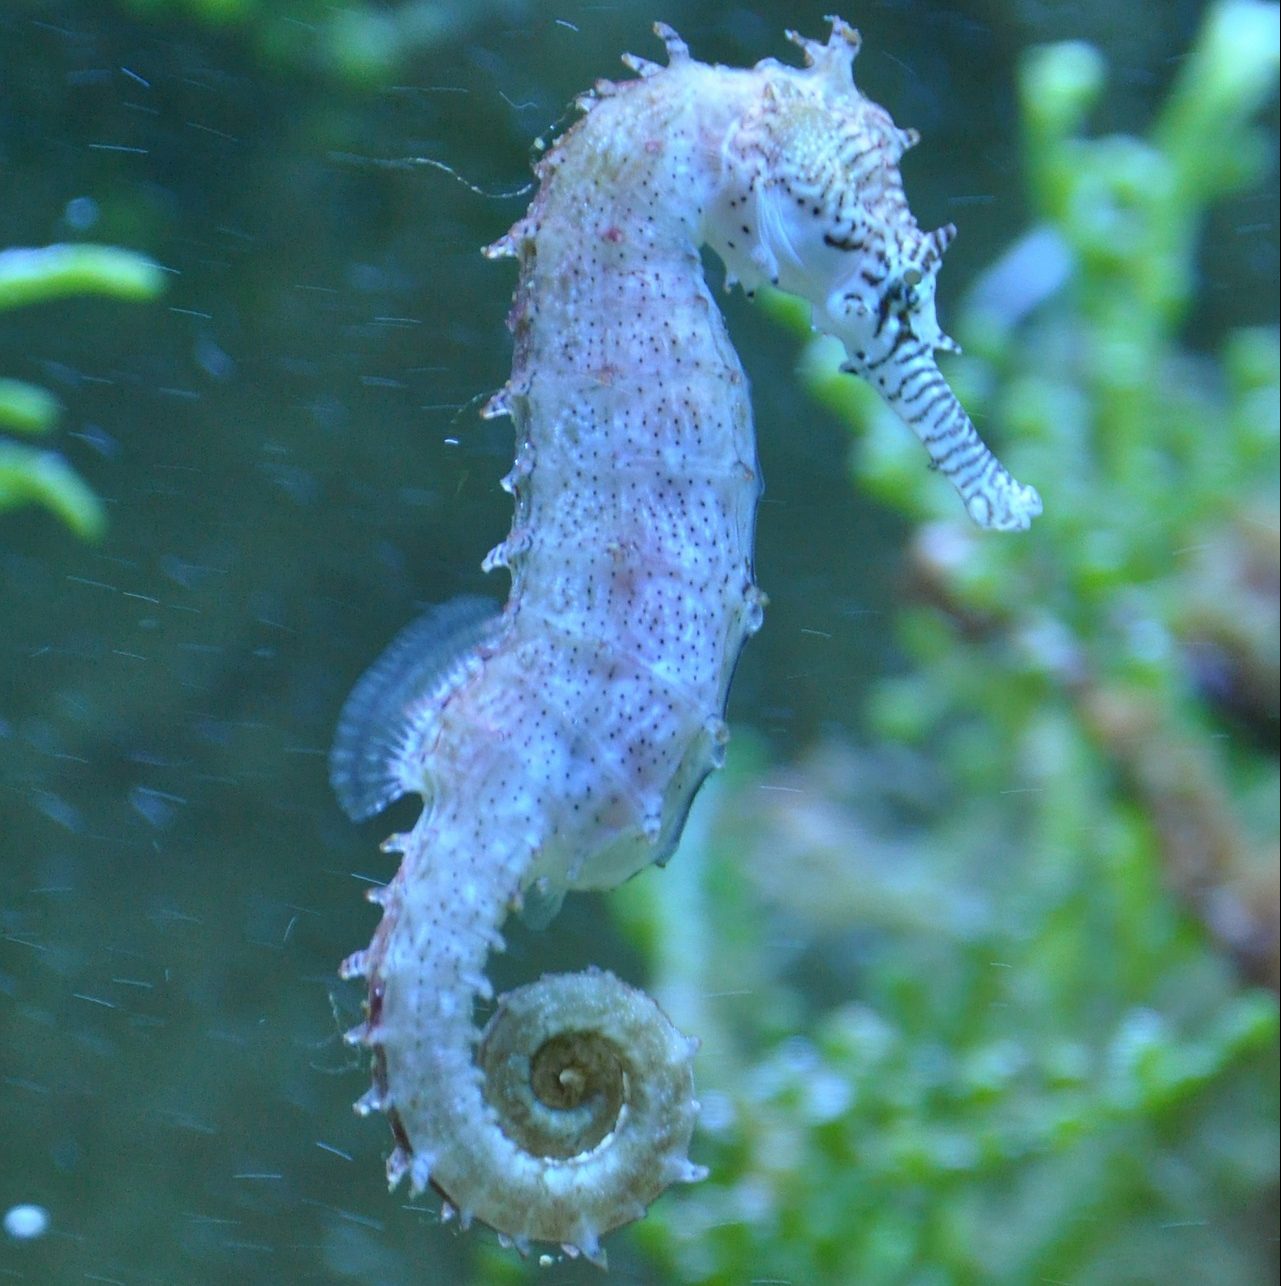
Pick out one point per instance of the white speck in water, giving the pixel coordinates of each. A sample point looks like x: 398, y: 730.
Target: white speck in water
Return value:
x: 26, y: 1222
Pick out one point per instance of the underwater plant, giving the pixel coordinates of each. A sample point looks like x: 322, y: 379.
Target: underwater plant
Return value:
x: 28, y: 474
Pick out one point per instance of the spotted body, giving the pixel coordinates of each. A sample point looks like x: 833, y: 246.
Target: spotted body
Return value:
x: 559, y: 743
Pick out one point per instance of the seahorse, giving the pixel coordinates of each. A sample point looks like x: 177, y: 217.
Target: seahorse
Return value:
x: 557, y: 743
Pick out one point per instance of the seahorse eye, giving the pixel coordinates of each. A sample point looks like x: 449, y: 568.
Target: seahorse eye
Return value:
x: 912, y: 277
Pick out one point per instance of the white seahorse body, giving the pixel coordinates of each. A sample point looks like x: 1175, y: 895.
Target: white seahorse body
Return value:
x: 560, y: 744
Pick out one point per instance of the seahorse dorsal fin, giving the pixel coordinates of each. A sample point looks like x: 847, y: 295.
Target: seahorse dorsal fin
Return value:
x: 389, y: 712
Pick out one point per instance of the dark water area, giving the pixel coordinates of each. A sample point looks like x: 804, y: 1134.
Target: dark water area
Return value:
x: 289, y: 450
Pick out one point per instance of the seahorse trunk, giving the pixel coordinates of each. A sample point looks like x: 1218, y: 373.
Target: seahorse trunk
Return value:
x: 560, y: 744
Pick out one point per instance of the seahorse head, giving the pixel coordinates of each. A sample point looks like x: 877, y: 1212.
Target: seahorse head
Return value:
x: 810, y: 200
x: 814, y: 204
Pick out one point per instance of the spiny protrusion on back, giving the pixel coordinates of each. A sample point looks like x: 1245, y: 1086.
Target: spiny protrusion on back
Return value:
x: 498, y: 404
x: 508, y: 246
x: 377, y: 751
x: 833, y: 59
x: 398, y: 1163
x: 677, y: 52
x: 677, y: 49
x: 643, y: 67
x: 372, y: 1100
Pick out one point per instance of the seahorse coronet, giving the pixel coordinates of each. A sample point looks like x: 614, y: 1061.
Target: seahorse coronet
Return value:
x: 558, y: 743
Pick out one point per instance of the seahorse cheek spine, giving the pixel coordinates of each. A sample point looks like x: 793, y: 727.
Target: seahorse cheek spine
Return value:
x: 559, y: 746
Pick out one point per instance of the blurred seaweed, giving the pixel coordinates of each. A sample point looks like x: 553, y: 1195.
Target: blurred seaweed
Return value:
x: 1039, y: 901
x: 362, y: 43
x: 30, y: 475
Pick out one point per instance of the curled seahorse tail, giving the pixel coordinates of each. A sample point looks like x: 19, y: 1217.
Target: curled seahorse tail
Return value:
x: 576, y: 1114
x: 571, y: 1111
x: 590, y: 1079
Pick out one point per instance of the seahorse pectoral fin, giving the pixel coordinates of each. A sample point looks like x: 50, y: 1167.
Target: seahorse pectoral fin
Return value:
x: 914, y: 388
x: 383, y: 724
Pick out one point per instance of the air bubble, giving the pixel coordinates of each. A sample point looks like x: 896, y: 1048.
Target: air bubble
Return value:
x: 26, y: 1222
